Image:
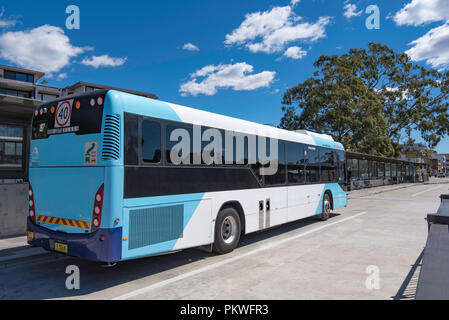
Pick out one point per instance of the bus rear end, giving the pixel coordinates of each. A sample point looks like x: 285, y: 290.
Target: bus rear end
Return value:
x: 70, y: 207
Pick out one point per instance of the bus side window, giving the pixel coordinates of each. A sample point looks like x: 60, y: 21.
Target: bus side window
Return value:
x: 151, y: 141
x: 295, y: 163
x: 131, y: 139
x: 312, y: 156
x: 328, y: 165
x: 279, y: 178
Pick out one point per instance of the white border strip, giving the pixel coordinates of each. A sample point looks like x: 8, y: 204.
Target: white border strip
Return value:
x: 163, y: 283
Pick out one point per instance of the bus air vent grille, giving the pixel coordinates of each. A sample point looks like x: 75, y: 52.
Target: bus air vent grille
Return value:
x: 155, y: 225
x: 111, y: 140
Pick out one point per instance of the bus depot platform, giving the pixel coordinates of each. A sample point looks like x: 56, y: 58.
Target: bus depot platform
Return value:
x: 433, y: 281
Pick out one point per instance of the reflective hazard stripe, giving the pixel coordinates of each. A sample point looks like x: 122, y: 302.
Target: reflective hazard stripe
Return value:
x: 64, y: 222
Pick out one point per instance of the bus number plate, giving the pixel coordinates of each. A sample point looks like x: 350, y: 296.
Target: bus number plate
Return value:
x: 30, y: 235
x: 61, y: 247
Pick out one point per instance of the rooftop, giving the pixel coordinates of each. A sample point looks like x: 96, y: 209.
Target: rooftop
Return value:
x: 37, y: 74
x: 99, y: 86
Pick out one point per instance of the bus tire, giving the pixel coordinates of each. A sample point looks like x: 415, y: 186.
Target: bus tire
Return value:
x: 228, y: 228
x: 327, y: 206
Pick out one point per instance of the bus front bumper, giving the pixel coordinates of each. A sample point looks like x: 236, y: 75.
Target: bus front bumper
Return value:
x: 88, y: 246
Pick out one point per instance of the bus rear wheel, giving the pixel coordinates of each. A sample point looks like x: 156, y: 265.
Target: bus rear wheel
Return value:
x: 228, y: 228
x: 327, y: 206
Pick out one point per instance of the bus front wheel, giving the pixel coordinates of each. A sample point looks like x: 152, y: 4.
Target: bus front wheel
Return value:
x: 227, y: 230
x: 327, y: 206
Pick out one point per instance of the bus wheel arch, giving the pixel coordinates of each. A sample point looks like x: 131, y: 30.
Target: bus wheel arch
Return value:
x: 237, y: 206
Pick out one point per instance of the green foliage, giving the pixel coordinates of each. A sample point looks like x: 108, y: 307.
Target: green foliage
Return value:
x: 370, y: 100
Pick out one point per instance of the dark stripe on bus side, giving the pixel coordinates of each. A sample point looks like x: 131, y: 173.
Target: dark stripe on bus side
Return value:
x: 154, y: 181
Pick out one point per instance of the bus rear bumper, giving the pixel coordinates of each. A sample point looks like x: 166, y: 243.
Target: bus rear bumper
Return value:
x: 87, y: 246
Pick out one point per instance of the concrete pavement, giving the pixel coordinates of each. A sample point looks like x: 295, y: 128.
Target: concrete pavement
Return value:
x: 382, y: 233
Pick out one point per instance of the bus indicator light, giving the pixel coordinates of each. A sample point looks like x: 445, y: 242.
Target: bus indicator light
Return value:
x: 98, y: 206
x: 52, y: 109
x: 77, y: 105
x: 31, y: 208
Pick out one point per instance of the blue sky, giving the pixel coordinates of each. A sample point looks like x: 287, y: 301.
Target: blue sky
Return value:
x: 250, y: 60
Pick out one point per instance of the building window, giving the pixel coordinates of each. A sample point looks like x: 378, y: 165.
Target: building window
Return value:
x: 353, y: 169
x: 47, y: 97
x: 90, y: 89
x: 18, y: 76
x: 363, y: 169
x: 16, y: 93
x: 388, y: 170
x: 11, y: 147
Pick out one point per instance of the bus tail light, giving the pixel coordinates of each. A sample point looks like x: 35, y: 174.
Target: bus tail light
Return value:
x: 100, y: 101
x: 98, y: 209
x: 31, y: 204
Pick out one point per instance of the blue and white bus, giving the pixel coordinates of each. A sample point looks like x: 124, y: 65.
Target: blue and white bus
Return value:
x: 103, y: 185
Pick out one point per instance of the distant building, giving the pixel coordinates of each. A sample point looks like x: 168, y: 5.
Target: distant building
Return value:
x: 440, y: 163
x: 82, y: 87
x: 414, y: 153
x: 20, y: 94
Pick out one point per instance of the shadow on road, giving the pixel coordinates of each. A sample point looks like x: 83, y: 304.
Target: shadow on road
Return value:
x: 46, y: 279
x: 407, y: 291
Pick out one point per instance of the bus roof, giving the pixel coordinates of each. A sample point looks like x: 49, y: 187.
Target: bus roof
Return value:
x: 126, y: 102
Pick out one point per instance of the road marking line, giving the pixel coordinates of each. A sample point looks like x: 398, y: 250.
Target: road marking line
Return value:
x: 421, y: 192
x: 227, y: 261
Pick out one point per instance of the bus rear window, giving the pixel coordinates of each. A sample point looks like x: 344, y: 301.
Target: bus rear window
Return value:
x: 79, y: 115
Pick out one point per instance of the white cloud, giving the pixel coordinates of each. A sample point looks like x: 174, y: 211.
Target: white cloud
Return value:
x: 295, y: 53
x: 103, y: 61
x: 236, y: 76
x: 433, y: 47
x: 7, y: 22
x: 190, y: 47
x: 44, y: 48
x: 271, y: 31
x: 294, y: 2
x: 350, y: 10
x: 420, y: 12
x: 61, y: 76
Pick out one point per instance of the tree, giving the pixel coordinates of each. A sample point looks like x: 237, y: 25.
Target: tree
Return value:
x: 371, y: 101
